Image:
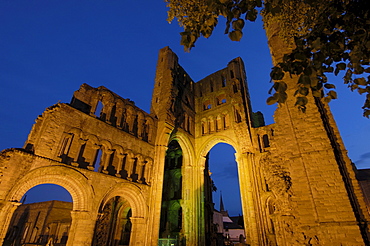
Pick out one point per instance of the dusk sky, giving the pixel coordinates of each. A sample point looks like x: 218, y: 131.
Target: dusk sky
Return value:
x: 48, y: 48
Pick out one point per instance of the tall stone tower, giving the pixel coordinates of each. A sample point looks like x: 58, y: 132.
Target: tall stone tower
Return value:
x: 140, y: 178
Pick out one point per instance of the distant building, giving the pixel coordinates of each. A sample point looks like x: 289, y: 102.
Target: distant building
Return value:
x: 232, y: 228
x: 363, y: 177
x: 40, y: 223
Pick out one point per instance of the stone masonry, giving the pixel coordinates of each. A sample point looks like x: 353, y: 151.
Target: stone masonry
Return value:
x: 297, y: 185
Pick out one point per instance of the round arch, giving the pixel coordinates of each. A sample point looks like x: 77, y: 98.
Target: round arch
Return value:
x: 186, y: 147
x: 74, y: 182
x: 132, y: 194
x: 215, y: 139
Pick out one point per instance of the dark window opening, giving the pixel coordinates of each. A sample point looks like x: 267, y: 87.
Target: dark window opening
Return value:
x: 223, y: 81
x: 231, y: 74
x: 97, y: 160
x: 98, y: 110
x: 266, y: 142
x: 235, y: 88
x: 113, y: 118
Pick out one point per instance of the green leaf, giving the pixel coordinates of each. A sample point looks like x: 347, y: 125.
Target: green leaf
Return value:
x: 304, y: 80
x: 300, y: 56
x: 361, y: 90
x: 235, y: 35
x: 329, y: 86
x: 282, y: 96
x: 252, y: 15
x: 271, y: 100
x: 316, y: 45
x: 332, y: 94
x: 360, y: 81
x: 277, y: 73
x: 317, y: 93
x: 238, y: 24
x: 339, y: 66
x: 327, y: 99
x: 301, y: 101
x: 366, y: 113
x: 303, y: 91
x: 280, y: 86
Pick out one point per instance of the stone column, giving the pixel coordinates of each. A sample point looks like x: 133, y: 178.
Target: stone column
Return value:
x: 6, y: 213
x: 140, y: 127
x: 138, y: 237
x: 156, y: 196
x: 120, y: 162
x: 95, y: 147
x: 129, y: 167
x: 82, y: 228
x: 140, y: 168
x: 119, y: 117
x: 107, y: 109
x: 147, y: 172
x: 81, y: 142
x: 250, y: 197
x: 108, y: 154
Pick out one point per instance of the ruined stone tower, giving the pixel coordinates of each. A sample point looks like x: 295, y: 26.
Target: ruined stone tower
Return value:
x: 137, y: 178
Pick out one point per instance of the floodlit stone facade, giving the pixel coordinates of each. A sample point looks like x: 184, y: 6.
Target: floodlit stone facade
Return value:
x: 297, y: 184
x: 40, y: 223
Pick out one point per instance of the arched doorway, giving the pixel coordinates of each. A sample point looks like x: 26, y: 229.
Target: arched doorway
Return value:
x: 113, y: 225
x: 222, y: 213
x: 171, y: 219
x: 43, y: 217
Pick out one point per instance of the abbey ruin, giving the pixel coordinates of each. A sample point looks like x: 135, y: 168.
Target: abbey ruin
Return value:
x: 138, y: 177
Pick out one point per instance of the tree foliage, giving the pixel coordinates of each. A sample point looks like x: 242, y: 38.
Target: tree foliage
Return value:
x: 328, y: 37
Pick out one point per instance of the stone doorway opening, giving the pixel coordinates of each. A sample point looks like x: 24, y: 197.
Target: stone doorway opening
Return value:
x: 223, y: 209
x: 43, y: 217
x: 113, y: 225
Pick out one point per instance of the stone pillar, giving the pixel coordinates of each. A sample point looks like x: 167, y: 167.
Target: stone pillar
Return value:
x: 108, y: 154
x: 118, y: 115
x: 138, y: 237
x: 139, y: 169
x: 140, y: 123
x: 81, y: 142
x: 107, y: 109
x: 156, y: 196
x: 129, y: 167
x: 95, y: 147
x: 82, y: 228
x: 89, y: 153
x: 120, y: 162
x: 75, y: 149
x: 150, y: 129
x: 6, y: 212
x: 147, y: 172
x: 250, y: 197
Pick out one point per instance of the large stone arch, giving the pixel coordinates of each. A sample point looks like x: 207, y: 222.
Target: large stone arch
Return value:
x: 186, y: 147
x: 70, y: 179
x: 216, y: 139
x: 133, y: 194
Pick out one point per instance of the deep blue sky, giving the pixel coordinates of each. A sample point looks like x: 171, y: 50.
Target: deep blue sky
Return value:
x: 49, y: 47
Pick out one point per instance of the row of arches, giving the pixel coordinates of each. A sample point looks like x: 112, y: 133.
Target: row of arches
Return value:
x: 207, y: 86
x: 89, y: 152
x: 218, y: 100
x: 118, y: 112
x: 114, y: 217
x: 213, y: 124
x: 127, y: 118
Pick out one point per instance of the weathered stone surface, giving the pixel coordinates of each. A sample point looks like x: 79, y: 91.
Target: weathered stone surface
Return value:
x: 297, y: 185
